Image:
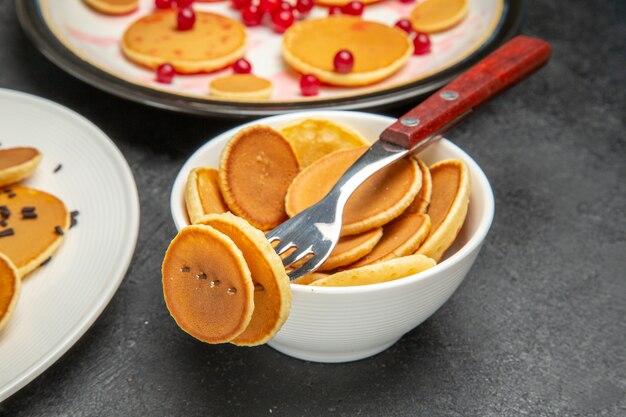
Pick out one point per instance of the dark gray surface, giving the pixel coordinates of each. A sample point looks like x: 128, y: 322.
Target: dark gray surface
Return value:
x: 537, y: 328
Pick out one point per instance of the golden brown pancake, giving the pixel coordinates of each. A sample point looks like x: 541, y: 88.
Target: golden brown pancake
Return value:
x: 9, y: 289
x: 256, y: 168
x: 213, y: 43
x: 432, y: 16
x: 422, y: 199
x: 202, y: 194
x: 313, y: 138
x: 17, y: 164
x: 375, y: 274
x: 113, y: 7
x: 241, y: 86
x: 352, y: 248
x: 309, y: 278
x: 379, y: 50
x: 448, y: 206
x: 272, y: 295
x: 381, y: 198
x: 207, y: 285
x: 30, y: 241
x: 400, y: 237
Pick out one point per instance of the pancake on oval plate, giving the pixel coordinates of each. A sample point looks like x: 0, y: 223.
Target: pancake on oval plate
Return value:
x: 214, y: 42
x: 202, y: 194
x: 256, y: 168
x: 379, y: 50
x: 241, y: 86
x: 376, y: 273
x: 9, y: 289
x: 34, y: 226
x: 272, y: 294
x: 313, y: 138
x: 207, y: 285
x: 432, y: 16
x: 380, y: 199
x: 17, y: 164
x: 113, y: 7
x: 448, y: 206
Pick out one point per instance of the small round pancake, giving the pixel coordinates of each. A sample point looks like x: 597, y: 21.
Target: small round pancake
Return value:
x: 256, y: 168
x: 378, y: 50
x: 33, y: 240
x: 432, y: 16
x: 401, y: 237
x: 380, y: 199
x: 214, y: 42
x: 381, y: 272
x: 17, y: 164
x: 309, y: 278
x: 272, y: 295
x: 207, y: 285
x: 10, y: 284
x: 422, y: 199
x: 352, y: 248
x: 113, y: 7
x: 448, y: 206
x: 237, y: 86
x: 202, y: 194
x: 313, y: 138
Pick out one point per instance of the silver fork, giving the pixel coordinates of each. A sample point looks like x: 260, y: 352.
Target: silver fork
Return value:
x: 314, y: 232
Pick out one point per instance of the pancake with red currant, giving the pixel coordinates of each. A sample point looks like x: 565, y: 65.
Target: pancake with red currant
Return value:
x: 346, y: 50
x: 208, y: 43
x: 113, y: 7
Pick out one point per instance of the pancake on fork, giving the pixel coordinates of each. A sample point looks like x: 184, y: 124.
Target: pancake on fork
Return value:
x: 272, y: 294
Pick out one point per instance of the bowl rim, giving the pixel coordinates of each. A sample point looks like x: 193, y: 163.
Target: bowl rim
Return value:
x: 473, y: 243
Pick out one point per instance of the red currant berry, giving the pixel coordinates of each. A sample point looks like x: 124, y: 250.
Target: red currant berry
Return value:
x: 240, y: 4
x: 304, y: 6
x: 186, y: 18
x: 309, y: 85
x: 283, y: 5
x: 251, y: 16
x: 281, y: 20
x: 334, y: 11
x: 183, y: 3
x: 405, y: 25
x: 165, y: 73
x: 407, y: 1
x: 268, y: 6
x: 242, y: 66
x: 354, y: 8
x: 421, y: 44
x: 163, y: 4
x: 343, y: 61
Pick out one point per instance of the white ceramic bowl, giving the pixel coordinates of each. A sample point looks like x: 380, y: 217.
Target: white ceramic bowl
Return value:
x: 348, y: 323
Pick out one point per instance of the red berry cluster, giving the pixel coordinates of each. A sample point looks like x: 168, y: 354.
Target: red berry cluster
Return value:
x: 282, y: 14
x: 421, y: 41
x: 353, y: 8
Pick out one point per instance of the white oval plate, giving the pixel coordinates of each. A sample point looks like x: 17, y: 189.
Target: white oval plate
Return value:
x: 62, y: 299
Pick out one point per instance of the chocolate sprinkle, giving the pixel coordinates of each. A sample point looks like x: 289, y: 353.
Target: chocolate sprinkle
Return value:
x: 184, y: 269
x: 74, y: 213
x: 58, y: 168
x: 5, y: 212
x: 201, y: 276
x: 73, y: 222
x: 28, y: 209
x: 58, y: 230
x: 46, y: 261
x: 7, y: 190
x: 7, y: 232
x: 29, y: 215
x: 3, y: 223
x: 12, y: 195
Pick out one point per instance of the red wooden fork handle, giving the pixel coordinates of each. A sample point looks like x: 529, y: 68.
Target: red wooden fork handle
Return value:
x: 507, y: 65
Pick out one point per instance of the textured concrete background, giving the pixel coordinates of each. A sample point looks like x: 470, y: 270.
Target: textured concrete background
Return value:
x: 537, y: 328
